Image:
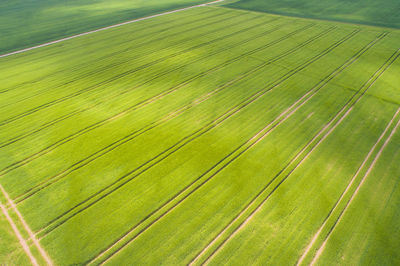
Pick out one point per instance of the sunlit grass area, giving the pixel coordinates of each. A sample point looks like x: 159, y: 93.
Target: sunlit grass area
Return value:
x: 213, y: 135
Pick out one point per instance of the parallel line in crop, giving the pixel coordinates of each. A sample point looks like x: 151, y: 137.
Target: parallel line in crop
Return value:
x: 321, y: 249
x: 19, y: 236
x: 129, y: 49
x: 103, y: 151
x: 247, y: 213
x: 160, y: 74
x: 26, y: 227
x: 118, y: 42
x: 116, y: 77
x: 154, y: 124
x: 95, y: 60
x: 162, y: 94
x: 315, y: 237
x: 102, y: 29
x: 175, y: 19
x: 203, y: 179
x: 127, y: 138
x: 108, y: 66
x: 136, y: 45
x: 143, y: 103
x: 183, y: 142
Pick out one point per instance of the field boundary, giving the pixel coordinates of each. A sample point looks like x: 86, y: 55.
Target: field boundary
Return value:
x: 108, y: 27
x: 89, y: 89
x: 136, y: 45
x: 328, y: 20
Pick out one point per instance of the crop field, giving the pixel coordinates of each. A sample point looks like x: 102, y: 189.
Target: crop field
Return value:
x: 24, y: 23
x: 209, y: 136
x: 383, y: 13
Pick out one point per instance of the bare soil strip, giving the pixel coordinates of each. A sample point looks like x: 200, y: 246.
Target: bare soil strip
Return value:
x: 27, y: 228
x: 22, y: 241
x: 106, y: 28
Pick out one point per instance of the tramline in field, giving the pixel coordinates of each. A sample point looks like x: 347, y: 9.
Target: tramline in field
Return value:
x: 207, y: 136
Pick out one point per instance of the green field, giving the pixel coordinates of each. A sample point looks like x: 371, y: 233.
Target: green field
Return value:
x: 209, y: 136
x: 385, y: 13
x: 11, y: 252
x: 25, y: 23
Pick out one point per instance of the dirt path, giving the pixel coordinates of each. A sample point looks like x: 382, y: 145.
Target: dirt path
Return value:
x: 106, y: 28
x: 26, y: 227
x: 19, y: 236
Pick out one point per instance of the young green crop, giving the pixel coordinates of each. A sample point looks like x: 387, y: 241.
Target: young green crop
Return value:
x: 382, y: 13
x: 225, y: 137
x: 45, y: 21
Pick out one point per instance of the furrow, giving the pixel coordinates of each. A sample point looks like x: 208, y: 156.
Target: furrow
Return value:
x: 183, y: 142
x: 121, y: 75
x: 164, y: 23
x: 319, y: 252
x: 127, y: 238
x: 339, y: 117
x: 73, y: 113
x: 141, y: 104
x: 168, y: 117
x: 377, y: 74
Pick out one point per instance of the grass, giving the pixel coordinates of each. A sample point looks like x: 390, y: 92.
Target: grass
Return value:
x: 48, y: 20
x: 11, y: 251
x: 382, y: 13
x: 369, y: 238
x: 205, y: 136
